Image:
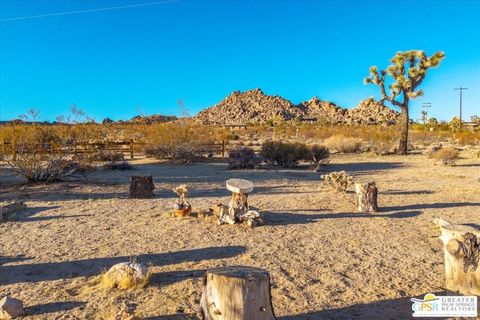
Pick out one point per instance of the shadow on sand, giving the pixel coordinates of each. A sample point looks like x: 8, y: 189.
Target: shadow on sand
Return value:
x: 360, y: 168
x: 52, y: 307
x: 423, y: 206
x: 400, y: 308
x: 285, y: 218
x: 35, y: 272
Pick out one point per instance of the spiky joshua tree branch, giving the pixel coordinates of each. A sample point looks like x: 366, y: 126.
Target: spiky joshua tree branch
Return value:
x: 407, y: 69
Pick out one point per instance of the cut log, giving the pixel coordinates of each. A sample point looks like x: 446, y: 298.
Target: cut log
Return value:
x: 366, y: 197
x: 461, y: 250
x: 141, y: 187
x: 236, y: 293
x: 10, y: 207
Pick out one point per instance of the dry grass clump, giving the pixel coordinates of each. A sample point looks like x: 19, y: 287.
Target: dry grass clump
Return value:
x: 344, y: 144
x: 126, y: 275
x: 448, y: 156
x: 339, y: 180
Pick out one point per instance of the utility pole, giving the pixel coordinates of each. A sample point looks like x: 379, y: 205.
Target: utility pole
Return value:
x: 425, y: 107
x: 461, y: 91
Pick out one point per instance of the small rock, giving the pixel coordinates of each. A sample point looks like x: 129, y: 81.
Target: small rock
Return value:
x: 10, y: 308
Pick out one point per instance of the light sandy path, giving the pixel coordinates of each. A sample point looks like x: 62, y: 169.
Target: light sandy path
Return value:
x: 326, y: 261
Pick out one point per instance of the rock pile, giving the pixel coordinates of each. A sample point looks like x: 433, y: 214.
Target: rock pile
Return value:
x: 254, y: 106
x: 249, y: 106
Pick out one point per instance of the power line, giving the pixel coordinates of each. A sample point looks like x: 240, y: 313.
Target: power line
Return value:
x: 461, y: 93
x: 86, y: 11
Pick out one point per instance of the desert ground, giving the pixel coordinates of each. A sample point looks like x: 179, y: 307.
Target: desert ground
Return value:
x: 326, y: 261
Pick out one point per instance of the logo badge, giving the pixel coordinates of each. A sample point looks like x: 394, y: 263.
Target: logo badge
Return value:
x: 444, y: 306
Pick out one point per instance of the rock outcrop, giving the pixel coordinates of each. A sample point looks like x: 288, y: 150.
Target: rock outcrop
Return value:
x: 254, y: 106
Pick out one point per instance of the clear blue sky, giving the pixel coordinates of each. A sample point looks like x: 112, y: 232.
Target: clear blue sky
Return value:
x: 119, y: 62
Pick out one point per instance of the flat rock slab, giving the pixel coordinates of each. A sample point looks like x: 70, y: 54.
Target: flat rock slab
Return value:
x: 239, y: 185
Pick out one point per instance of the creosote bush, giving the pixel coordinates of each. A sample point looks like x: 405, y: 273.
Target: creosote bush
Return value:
x: 122, y: 165
x: 319, y: 154
x: 185, y: 151
x: 343, y: 144
x: 243, y: 158
x: 448, y: 156
x: 284, y: 154
x: 37, y: 164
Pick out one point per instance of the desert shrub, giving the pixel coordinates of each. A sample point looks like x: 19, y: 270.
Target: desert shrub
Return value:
x: 107, y: 156
x: 382, y: 148
x: 343, y: 144
x: 46, y: 167
x: 185, y: 151
x: 447, y: 156
x: 319, y: 155
x: 243, y: 158
x: 233, y: 136
x: 339, y: 180
x: 284, y: 154
x: 123, y: 165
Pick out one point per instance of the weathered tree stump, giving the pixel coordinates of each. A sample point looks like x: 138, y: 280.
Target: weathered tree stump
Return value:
x: 10, y: 207
x: 461, y: 248
x: 141, y: 187
x: 240, y: 189
x: 366, y: 197
x: 236, y: 293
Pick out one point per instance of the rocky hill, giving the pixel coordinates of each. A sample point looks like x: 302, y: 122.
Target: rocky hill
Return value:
x: 249, y: 106
x: 254, y: 106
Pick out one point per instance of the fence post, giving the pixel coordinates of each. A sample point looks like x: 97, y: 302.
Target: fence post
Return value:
x: 4, y: 148
x: 14, y: 149
x: 223, y: 148
x: 131, y: 149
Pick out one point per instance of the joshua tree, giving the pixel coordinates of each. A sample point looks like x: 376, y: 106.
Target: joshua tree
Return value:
x: 407, y: 69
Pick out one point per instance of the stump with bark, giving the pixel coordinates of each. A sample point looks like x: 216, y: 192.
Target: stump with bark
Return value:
x: 240, y: 189
x: 236, y: 293
x: 366, y: 197
x: 141, y: 187
x: 461, y: 248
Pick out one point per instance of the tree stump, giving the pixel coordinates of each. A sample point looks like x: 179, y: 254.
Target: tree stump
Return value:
x: 236, y: 293
x: 141, y: 187
x: 240, y: 189
x: 460, y: 274
x: 366, y: 197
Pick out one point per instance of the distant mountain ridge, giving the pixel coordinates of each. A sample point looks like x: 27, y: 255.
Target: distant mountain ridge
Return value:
x: 254, y: 106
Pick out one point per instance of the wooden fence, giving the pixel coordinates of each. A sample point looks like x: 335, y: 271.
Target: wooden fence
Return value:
x: 131, y: 147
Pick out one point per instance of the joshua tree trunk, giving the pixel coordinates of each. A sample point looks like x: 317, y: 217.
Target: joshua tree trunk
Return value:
x: 403, y: 145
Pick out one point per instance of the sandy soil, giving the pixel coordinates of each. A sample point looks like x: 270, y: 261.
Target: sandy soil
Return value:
x: 326, y: 261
